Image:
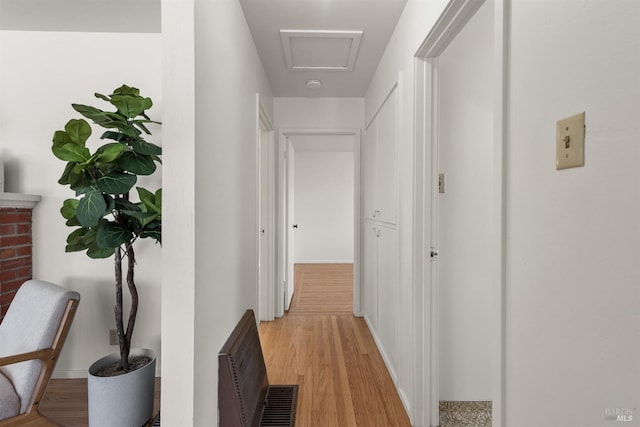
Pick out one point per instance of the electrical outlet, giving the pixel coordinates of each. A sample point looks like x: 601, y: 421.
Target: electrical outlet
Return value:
x: 113, y: 337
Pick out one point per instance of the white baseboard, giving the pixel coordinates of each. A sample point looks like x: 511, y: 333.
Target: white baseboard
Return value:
x: 69, y: 374
x: 325, y: 262
x: 392, y: 372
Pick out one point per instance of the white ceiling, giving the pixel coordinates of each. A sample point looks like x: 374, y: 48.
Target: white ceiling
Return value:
x: 375, y: 18
x: 141, y: 16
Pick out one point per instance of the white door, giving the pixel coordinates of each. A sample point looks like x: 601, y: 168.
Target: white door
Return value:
x: 290, y: 249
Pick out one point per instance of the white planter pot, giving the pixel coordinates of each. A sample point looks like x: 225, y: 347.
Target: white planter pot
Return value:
x: 124, y: 400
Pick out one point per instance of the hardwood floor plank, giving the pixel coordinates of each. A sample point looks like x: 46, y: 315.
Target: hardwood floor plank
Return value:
x: 330, y: 354
x: 65, y: 402
x: 322, y: 289
x: 343, y: 380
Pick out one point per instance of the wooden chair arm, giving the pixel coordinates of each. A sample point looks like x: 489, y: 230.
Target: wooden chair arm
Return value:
x: 43, y: 355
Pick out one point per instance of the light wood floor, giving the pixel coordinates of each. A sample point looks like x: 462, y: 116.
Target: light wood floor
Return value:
x: 322, y: 289
x: 65, y: 402
x: 330, y: 353
x: 319, y: 345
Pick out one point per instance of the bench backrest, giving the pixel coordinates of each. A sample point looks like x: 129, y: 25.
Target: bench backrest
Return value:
x: 242, y: 376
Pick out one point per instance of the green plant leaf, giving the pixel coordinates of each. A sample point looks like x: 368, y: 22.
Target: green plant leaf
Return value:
x: 110, y: 201
x: 73, y: 222
x: 152, y: 202
x: 68, y: 170
x: 159, y: 199
x: 75, y: 248
x: 76, y: 237
x: 139, y: 164
x: 103, y: 118
x: 143, y: 218
x: 146, y: 196
x: 101, y: 96
x: 116, y: 182
x: 96, y: 252
x: 126, y: 90
x: 71, y: 152
x: 80, y: 183
x: 128, y: 131
x: 124, y: 204
x: 115, y: 136
x: 60, y: 138
x: 109, y: 152
x: 79, y: 239
x: 91, y: 208
x: 141, y: 126
x: 143, y: 147
x: 112, y: 235
x: 78, y: 131
x: 154, y: 234
x: 69, y: 207
x: 130, y: 106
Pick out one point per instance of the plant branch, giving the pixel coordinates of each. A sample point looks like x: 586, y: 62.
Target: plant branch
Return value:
x: 124, y: 356
x: 134, y: 295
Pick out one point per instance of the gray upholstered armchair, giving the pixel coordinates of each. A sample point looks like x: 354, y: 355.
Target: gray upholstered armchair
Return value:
x: 31, y: 337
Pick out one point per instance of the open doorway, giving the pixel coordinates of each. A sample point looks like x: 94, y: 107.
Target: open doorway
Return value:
x: 460, y: 124
x: 319, y: 207
x: 321, y: 204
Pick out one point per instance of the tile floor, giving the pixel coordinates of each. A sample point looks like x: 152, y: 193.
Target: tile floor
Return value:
x: 465, y: 414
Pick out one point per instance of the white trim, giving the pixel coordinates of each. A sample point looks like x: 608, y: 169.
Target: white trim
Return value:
x: 455, y: 16
x: 325, y: 261
x: 502, y: 20
x: 283, y: 134
x: 350, y: 60
x: 266, y: 298
x: 14, y: 200
x: 420, y: 300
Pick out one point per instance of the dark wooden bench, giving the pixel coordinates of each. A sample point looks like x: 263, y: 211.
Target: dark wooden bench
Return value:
x: 245, y: 397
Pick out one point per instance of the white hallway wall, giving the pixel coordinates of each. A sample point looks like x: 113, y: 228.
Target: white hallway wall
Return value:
x: 318, y: 113
x: 210, y: 214
x: 573, y: 324
x: 42, y: 73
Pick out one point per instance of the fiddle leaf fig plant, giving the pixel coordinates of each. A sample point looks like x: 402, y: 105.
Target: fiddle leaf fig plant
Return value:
x: 107, y: 221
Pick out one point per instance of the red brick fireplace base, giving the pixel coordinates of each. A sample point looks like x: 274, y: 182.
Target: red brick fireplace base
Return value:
x: 15, y: 253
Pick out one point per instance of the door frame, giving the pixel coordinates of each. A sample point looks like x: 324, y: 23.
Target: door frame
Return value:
x: 266, y: 304
x: 283, y: 229
x: 426, y: 364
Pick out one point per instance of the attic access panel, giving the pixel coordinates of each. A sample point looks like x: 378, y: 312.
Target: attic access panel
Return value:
x: 320, y: 50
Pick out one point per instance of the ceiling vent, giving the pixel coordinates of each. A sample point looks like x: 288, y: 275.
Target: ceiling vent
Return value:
x: 320, y: 50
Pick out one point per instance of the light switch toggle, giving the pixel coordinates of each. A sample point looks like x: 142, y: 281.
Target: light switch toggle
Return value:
x: 570, y: 133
